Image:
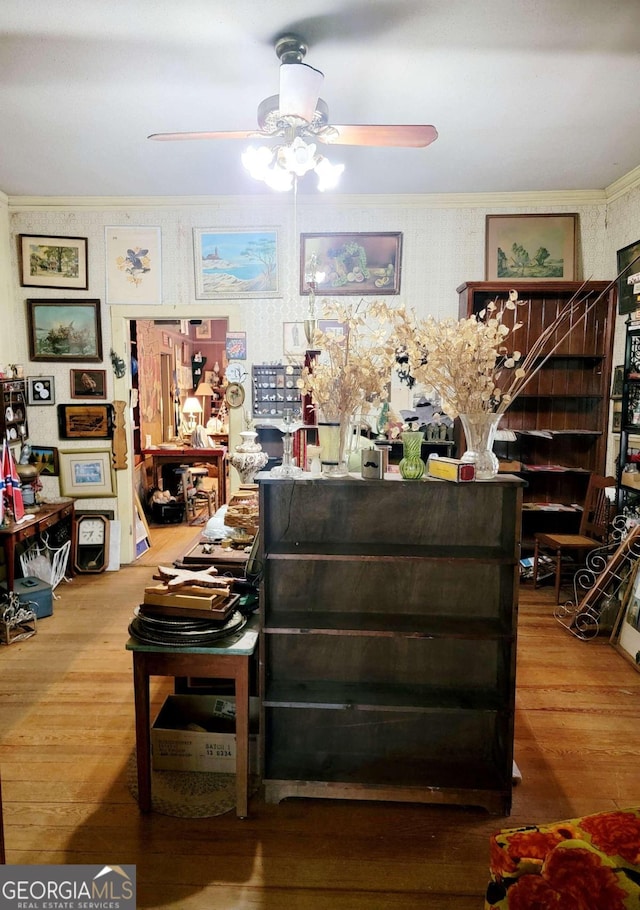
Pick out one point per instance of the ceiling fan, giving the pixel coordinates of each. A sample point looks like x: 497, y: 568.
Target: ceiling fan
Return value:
x: 297, y: 112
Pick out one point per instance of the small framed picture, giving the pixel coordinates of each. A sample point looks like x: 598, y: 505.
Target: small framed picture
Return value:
x: 618, y: 380
x: 53, y: 262
x: 85, y: 421
x: 45, y: 458
x: 86, y: 473
x: 88, y: 383
x: 616, y: 421
x: 294, y: 341
x: 203, y: 330
x: 41, y: 390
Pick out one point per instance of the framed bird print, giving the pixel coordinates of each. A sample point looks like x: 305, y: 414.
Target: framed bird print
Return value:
x: 134, y: 268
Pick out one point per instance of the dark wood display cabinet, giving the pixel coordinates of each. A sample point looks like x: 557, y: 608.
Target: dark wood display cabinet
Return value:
x: 388, y: 640
x: 559, y: 423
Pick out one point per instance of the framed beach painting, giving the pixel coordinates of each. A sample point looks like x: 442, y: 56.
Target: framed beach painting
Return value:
x: 64, y: 330
x: 340, y: 264
x: 236, y: 263
x: 53, y: 262
x: 133, y: 265
x: 531, y: 247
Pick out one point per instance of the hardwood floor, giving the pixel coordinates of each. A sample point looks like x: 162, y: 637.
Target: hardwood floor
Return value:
x: 66, y: 714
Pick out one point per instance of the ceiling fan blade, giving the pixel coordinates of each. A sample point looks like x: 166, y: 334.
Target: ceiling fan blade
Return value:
x: 403, y: 136
x: 238, y: 134
x: 299, y: 90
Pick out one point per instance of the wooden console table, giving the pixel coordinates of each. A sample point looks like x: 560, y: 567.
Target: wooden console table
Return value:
x: 216, y: 457
x: 228, y: 659
x: 47, y: 515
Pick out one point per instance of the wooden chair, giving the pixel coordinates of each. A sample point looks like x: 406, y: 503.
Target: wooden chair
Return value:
x: 593, y: 531
x: 205, y: 490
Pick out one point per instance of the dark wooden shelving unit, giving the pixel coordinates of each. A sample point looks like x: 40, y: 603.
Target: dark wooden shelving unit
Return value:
x: 560, y: 421
x: 628, y: 484
x: 382, y: 676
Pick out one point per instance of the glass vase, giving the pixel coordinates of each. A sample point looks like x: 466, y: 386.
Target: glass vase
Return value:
x: 411, y: 464
x: 333, y: 437
x: 480, y: 432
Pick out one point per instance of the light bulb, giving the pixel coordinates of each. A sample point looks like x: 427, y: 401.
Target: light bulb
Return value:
x: 328, y: 174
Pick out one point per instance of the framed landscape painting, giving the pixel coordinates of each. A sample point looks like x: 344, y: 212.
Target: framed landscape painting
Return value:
x: 53, y: 262
x: 531, y: 247
x: 236, y: 263
x: 61, y: 330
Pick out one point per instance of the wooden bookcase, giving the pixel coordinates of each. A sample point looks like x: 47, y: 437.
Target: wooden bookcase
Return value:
x: 388, y: 645
x: 560, y: 421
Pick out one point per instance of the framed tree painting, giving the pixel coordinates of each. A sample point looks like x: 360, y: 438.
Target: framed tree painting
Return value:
x: 53, y: 262
x: 531, y: 247
x: 62, y: 330
x: 45, y: 458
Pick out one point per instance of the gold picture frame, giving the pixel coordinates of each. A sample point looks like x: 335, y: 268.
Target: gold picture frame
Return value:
x: 86, y: 473
x: 531, y: 247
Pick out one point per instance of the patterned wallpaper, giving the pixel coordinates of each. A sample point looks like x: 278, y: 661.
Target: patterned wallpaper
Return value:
x: 443, y: 246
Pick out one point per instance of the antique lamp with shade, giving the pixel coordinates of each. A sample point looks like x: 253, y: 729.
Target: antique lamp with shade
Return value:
x: 191, y: 408
x: 204, y: 391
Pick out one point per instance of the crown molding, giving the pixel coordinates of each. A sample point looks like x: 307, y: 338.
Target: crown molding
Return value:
x: 624, y: 185
x: 521, y: 200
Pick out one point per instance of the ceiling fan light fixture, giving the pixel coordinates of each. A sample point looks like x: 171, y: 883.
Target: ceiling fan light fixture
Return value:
x: 279, y: 166
x: 299, y: 157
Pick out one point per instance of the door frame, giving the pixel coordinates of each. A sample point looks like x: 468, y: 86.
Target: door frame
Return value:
x: 120, y: 317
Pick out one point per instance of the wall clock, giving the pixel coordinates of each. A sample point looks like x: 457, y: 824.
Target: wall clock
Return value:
x: 91, y: 544
x: 234, y: 395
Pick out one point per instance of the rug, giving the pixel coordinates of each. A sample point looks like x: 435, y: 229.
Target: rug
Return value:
x: 189, y: 794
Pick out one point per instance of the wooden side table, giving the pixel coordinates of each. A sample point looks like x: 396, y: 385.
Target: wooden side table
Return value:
x: 227, y: 659
x: 47, y: 516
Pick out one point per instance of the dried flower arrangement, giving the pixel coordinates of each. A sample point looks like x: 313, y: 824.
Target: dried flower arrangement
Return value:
x: 355, y: 365
x: 467, y: 361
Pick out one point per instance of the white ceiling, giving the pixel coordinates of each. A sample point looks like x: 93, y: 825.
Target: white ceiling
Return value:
x: 526, y: 94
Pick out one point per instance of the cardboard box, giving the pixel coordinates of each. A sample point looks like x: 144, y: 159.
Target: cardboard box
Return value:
x: 450, y: 469
x: 197, y: 733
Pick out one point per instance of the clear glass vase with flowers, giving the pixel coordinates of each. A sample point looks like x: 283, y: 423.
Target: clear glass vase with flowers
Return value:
x: 351, y: 373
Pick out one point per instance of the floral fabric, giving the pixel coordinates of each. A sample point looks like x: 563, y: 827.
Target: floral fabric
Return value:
x: 589, y: 863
